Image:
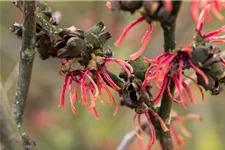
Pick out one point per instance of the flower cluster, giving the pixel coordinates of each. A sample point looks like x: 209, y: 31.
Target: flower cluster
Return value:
x: 90, y: 81
x: 207, y: 56
x: 168, y: 67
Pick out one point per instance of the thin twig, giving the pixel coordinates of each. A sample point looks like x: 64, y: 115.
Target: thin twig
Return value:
x: 27, y: 54
x: 129, y: 138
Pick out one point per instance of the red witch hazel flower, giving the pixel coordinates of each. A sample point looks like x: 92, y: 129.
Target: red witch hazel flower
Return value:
x: 168, y: 67
x: 90, y: 81
x: 216, y: 6
x: 211, y: 36
x: 177, y: 139
x: 151, y: 127
x: 123, y: 5
x: 144, y: 41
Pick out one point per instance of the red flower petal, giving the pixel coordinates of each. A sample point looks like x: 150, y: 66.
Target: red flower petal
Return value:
x: 177, y: 137
x: 223, y: 62
x: 202, y: 18
x: 134, y: 127
x: 62, y: 99
x: 218, y: 14
x: 149, y: 69
x: 193, y: 80
x: 125, y: 65
x: 149, y: 60
x: 152, y: 130
x: 194, y: 10
x: 161, y: 55
x: 75, y: 93
x: 139, y: 124
x: 70, y: 87
x: 171, y: 95
x: 95, y: 86
x: 175, y: 79
x: 157, y: 99
x: 109, y: 80
x: 162, y: 124
x: 122, y: 36
x: 213, y: 33
x: 93, y: 109
x: 145, y: 42
x: 217, y: 41
x: 83, y: 89
x: 182, y: 128
x: 197, y: 70
x: 95, y: 113
x: 188, y: 92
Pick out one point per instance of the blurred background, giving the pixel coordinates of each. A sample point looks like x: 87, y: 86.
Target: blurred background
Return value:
x: 54, y: 128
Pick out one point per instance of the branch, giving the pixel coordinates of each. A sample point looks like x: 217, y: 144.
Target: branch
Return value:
x: 27, y: 54
x: 129, y: 138
x: 168, y: 27
x: 10, y: 138
x: 28, y: 143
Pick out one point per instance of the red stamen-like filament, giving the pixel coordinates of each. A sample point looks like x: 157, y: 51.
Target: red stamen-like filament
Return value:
x: 62, y: 99
x: 134, y: 127
x: 197, y: 70
x: 152, y: 130
x: 126, y: 66
x: 200, y: 89
x: 145, y: 42
x: 109, y: 80
x: 121, y: 38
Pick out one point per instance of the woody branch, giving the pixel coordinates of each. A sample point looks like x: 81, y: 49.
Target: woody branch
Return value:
x: 27, y: 54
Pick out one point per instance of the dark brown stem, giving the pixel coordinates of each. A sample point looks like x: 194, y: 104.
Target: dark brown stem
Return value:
x: 26, y: 60
x: 166, y: 104
x: 9, y: 133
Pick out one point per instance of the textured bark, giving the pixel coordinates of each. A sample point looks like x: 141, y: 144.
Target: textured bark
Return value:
x: 27, y: 54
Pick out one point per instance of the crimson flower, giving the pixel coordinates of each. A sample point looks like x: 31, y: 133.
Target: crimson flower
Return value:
x: 144, y: 41
x: 197, y: 5
x: 146, y: 37
x: 211, y: 36
x: 177, y: 139
x: 168, y: 67
x: 151, y: 127
x: 90, y: 81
